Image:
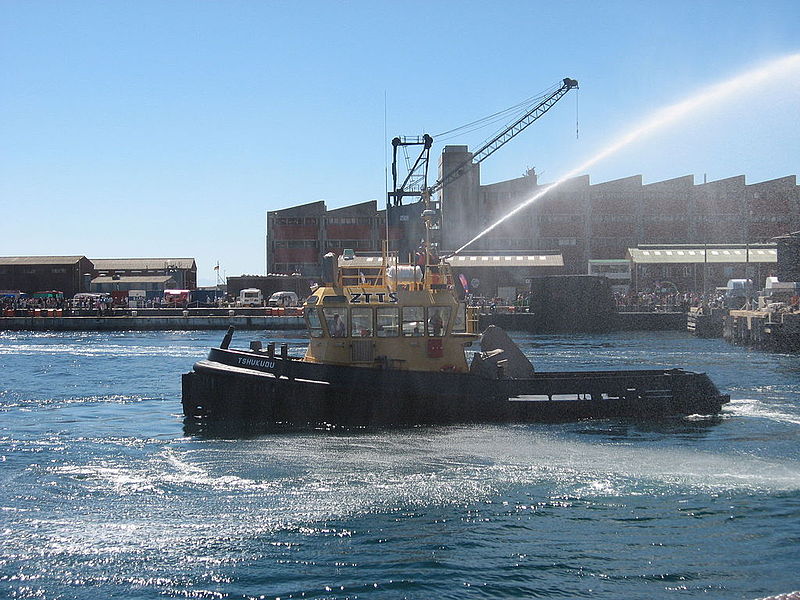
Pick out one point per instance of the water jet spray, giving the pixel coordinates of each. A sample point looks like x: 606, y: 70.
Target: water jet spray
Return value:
x: 665, y: 116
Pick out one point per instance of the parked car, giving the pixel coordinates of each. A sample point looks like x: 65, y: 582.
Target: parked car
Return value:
x: 283, y: 299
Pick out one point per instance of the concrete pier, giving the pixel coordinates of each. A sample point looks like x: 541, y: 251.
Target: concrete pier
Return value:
x: 151, y: 323
x: 706, y: 324
x: 776, y: 331
x: 257, y: 319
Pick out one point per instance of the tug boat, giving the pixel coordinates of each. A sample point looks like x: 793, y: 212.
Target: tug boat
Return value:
x: 388, y: 346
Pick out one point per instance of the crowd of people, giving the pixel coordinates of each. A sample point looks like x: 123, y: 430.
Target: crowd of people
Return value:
x: 656, y: 301
x: 683, y: 302
x: 522, y: 303
x: 27, y: 303
x: 102, y: 305
x: 86, y: 304
x: 643, y: 301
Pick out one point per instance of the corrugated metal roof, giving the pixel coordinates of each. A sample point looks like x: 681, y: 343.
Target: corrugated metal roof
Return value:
x: 527, y: 260
x: 132, y: 264
x: 132, y: 279
x: 39, y: 260
x: 362, y: 209
x: 537, y: 260
x: 703, y: 255
x: 312, y: 209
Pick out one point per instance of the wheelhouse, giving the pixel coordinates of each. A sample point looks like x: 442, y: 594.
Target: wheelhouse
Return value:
x: 376, y: 312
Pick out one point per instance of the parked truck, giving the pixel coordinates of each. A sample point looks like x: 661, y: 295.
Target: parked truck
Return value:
x: 250, y: 297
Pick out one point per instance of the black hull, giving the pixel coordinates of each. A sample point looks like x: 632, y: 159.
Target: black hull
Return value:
x: 235, y: 385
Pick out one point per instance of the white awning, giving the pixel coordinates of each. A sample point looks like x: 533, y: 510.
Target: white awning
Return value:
x: 526, y: 260
x: 702, y: 255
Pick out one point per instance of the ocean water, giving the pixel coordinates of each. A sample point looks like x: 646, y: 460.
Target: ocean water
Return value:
x: 104, y: 493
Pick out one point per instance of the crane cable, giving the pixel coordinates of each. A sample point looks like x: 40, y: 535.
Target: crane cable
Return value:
x: 502, y: 115
x: 518, y: 108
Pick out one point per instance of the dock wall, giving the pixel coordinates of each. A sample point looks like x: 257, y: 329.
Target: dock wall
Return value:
x: 202, y: 319
x: 706, y: 324
x: 150, y: 323
x: 763, y: 329
x: 627, y: 321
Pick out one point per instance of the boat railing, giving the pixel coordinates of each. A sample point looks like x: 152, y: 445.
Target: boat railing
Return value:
x: 362, y: 277
x: 434, y: 277
x: 473, y: 314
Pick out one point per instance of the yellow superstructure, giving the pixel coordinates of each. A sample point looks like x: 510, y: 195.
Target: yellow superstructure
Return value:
x: 389, y: 316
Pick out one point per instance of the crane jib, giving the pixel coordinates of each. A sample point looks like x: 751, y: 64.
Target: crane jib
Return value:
x: 507, y: 134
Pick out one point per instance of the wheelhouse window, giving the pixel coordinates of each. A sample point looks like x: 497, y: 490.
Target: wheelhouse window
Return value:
x: 388, y: 319
x: 361, y: 324
x: 413, y: 320
x: 313, y: 322
x: 336, y: 318
x: 438, y: 319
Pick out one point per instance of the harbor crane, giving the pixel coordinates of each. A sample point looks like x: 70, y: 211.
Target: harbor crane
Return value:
x: 415, y: 182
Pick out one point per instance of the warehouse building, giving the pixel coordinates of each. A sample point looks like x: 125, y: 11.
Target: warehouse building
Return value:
x: 701, y: 269
x: 146, y: 283
x: 298, y: 237
x: 30, y: 274
x: 503, y: 275
x: 586, y: 221
x: 579, y: 220
x: 182, y: 270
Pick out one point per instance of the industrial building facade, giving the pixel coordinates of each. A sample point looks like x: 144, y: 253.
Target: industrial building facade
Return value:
x: 701, y: 268
x: 74, y: 274
x: 587, y: 221
x: 182, y: 270
x: 66, y: 274
x: 577, y: 219
x: 106, y: 284
x: 298, y: 237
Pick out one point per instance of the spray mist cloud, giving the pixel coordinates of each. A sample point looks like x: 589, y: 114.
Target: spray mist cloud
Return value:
x: 662, y: 118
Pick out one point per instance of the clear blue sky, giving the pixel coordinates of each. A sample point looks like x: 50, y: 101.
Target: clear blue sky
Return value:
x: 169, y: 128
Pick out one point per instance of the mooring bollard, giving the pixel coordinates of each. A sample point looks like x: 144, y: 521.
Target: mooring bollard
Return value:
x: 226, y: 341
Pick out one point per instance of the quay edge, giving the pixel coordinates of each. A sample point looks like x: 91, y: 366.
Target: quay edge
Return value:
x: 151, y: 323
x: 777, y: 332
x: 622, y: 321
